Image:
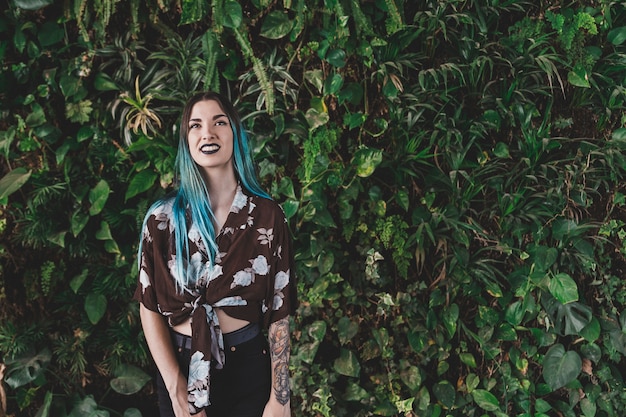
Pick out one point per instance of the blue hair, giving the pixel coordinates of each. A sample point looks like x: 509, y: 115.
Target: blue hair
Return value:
x: 190, y: 200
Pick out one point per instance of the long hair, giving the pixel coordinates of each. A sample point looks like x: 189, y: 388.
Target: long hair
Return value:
x: 192, y: 199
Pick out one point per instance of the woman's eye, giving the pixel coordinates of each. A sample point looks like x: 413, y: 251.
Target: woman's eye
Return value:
x: 193, y: 126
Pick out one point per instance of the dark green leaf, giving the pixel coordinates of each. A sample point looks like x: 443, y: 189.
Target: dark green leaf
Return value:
x: 563, y: 288
x: 486, y: 400
x: 25, y: 369
x: 193, y: 11
x: 95, y: 307
x: 13, y: 181
x: 233, y: 14
x: 276, y: 25
x: 346, y: 330
x: 617, y: 36
x: 140, y: 182
x: 560, y: 367
x: 445, y: 392
x: 336, y: 58
x: 98, y: 197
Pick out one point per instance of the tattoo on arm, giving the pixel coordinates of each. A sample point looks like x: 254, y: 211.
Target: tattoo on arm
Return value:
x: 279, y: 349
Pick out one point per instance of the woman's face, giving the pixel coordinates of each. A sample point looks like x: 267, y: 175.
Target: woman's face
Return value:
x: 210, y: 137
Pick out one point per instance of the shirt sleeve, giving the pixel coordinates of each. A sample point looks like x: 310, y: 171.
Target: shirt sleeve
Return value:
x: 145, y: 291
x: 281, y: 299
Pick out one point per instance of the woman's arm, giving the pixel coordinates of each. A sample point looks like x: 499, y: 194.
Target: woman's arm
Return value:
x: 160, y: 345
x: 278, y: 404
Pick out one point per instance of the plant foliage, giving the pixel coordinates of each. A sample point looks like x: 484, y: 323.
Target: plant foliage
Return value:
x: 452, y: 172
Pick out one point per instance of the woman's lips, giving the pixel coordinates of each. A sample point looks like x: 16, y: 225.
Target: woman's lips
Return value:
x: 209, y: 148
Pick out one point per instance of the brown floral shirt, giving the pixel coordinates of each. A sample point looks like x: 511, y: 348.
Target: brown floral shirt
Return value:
x: 251, y: 279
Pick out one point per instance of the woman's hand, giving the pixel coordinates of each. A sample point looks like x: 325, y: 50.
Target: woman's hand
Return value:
x: 275, y: 409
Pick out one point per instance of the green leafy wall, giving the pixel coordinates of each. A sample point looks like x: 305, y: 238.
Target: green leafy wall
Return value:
x: 451, y: 171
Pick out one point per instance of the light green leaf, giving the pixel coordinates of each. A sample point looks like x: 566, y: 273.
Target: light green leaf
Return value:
x: 276, y: 25
x: 579, y: 77
x: 129, y: 379
x: 347, y: 364
x: 233, y: 14
x: 25, y: 369
x: 563, y: 288
x: 32, y: 4
x: 617, y: 36
x: 486, y: 400
x: 366, y: 160
x: 98, y: 197
x: 95, y: 307
x: 78, y: 221
x: 560, y: 367
x: 12, y: 181
x: 78, y: 280
x: 142, y: 181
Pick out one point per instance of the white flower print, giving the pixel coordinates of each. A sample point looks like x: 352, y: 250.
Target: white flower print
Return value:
x: 259, y: 265
x: 216, y: 271
x: 242, y: 278
x: 239, y: 201
x: 278, y: 300
x: 200, y: 397
x: 252, y: 206
x: 198, y: 369
x: 196, y: 265
x: 144, y: 279
x: 281, y: 280
x: 266, y: 236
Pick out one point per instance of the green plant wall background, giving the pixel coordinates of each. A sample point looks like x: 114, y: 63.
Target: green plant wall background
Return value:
x: 452, y: 172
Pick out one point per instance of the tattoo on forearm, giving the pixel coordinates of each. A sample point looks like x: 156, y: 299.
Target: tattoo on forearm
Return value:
x: 279, y: 348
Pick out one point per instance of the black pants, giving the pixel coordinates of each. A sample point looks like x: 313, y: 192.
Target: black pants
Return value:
x: 240, y: 389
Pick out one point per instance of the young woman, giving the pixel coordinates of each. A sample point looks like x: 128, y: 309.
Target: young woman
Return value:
x: 216, y: 275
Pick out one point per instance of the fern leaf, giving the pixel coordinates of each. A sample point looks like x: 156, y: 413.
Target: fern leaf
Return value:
x: 394, y: 19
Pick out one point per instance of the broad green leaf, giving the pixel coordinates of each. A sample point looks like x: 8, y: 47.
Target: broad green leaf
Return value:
x: 142, y: 181
x: 366, y: 160
x: 12, y: 181
x: 486, y: 400
x: 87, y: 407
x: 560, y: 367
x: 451, y: 318
x: 563, y: 288
x: 32, y: 4
x: 588, y: 407
x: 132, y: 412
x: 591, y: 332
x: 471, y: 382
x: 592, y: 352
x: 58, y: 238
x: 290, y: 208
x: 515, y: 313
x: 78, y: 221
x: 50, y: 33
x: 412, y: 378
x: 84, y: 133
x: 617, y: 36
x: 347, y: 364
x: 276, y: 25
x: 78, y: 280
x: 104, y: 233
x: 333, y: 84
x: 336, y: 58
x: 545, y: 257
x: 129, y: 379
x: 26, y: 368
x: 445, y: 392
x: 233, y: 14
x: 346, y: 330
x: 95, y: 307
x: 468, y: 359
x: 579, y: 77
x: 316, y: 118
x: 354, y: 392
x: 98, y: 197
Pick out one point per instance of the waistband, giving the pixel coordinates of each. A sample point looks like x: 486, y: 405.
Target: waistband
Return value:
x: 235, y: 338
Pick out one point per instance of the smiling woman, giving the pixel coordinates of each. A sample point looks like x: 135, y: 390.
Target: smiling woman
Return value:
x: 209, y: 287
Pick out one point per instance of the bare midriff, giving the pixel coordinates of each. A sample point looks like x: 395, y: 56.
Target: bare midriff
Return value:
x: 227, y: 323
